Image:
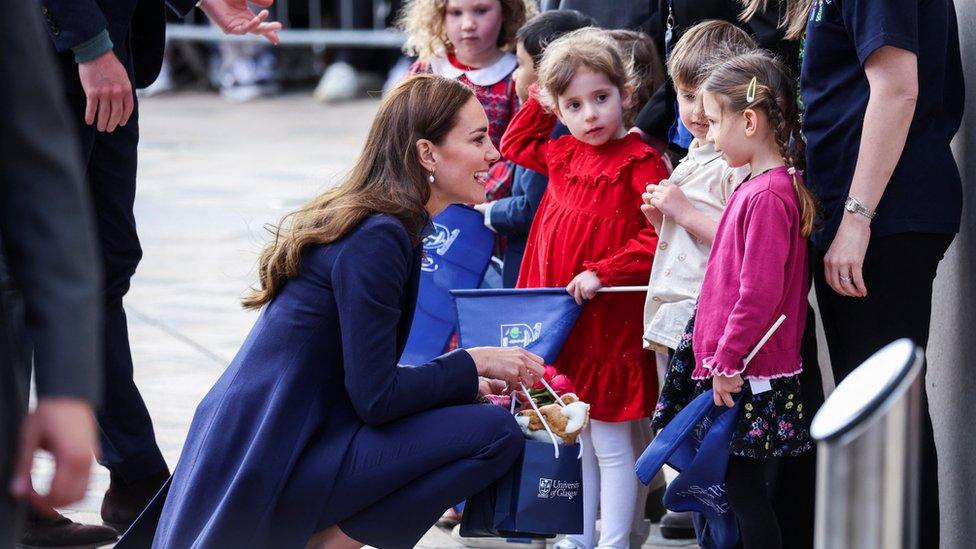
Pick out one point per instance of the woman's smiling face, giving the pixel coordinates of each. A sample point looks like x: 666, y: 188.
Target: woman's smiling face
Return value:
x: 462, y: 160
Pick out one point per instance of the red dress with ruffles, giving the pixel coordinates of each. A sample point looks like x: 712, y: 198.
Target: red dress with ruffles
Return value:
x: 590, y: 218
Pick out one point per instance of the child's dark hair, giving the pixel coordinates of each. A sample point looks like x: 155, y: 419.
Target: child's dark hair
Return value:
x: 537, y: 32
x: 760, y: 82
x: 641, y: 54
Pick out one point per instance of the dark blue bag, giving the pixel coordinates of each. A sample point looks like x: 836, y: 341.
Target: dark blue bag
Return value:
x: 541, y: 496
x: 696, y: 444
x: 538, y: 319
x: 456, y: 255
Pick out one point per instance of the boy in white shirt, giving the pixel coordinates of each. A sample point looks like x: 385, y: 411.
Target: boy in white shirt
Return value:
x: 686, y: 207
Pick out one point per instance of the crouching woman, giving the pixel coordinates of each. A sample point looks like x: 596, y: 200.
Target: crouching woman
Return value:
x: 314, y: 435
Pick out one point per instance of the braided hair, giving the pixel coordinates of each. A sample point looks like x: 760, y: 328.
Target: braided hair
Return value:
x: 760, y: 82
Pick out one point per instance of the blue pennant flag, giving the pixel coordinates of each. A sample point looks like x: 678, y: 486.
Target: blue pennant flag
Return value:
x: 538, y: 319
x: 456, y: 255
x: 696, y: 444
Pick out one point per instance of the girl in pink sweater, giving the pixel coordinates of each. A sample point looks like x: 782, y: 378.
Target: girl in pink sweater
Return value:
x: 757, y: 271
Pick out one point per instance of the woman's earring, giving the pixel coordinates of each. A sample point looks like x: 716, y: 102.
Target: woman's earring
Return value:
x: 431, y: 177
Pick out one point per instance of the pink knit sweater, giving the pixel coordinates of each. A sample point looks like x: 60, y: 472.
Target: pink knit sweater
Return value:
x: 757, y: 270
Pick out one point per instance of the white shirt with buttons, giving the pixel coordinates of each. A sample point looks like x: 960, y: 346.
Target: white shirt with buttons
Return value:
x: 679, y: 263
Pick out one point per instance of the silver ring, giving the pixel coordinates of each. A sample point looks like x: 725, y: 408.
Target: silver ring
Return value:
x: 845, y: 279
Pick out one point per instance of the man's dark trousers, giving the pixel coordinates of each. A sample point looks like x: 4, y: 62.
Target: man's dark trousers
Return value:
x: 129, y: 448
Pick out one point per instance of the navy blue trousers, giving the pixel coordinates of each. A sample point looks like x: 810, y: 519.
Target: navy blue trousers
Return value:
x: 397, y: 479
x: 128, y: 443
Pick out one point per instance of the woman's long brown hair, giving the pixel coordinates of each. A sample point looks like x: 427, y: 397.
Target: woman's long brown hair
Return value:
x: 386, y: 179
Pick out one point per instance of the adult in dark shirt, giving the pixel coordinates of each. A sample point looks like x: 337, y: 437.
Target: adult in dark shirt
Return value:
x: 883, y: 89
x: 106, y: 49
x: 49, y: 306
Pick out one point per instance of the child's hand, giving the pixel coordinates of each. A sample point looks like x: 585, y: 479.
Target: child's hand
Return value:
x: 653, y: 215
x: 584, y: 286
x: 723, y: 387
x: 670, y: 200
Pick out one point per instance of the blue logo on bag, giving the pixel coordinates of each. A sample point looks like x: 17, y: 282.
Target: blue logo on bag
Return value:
x: 437, y: 242
x: 520, y: 335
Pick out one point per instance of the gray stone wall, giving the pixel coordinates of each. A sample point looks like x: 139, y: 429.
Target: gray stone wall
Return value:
x: 951, y: 378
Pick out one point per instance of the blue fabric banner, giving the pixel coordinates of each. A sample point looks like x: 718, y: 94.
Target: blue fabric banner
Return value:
x: 696, y: 444
x: 456, y: 254
x: 538, y: 319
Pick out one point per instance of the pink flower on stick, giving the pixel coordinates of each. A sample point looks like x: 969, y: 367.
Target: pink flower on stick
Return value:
x: 561, y: 384
x: 547, y: 375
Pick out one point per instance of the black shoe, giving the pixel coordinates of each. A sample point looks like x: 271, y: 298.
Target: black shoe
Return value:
x: 654, y: 509
x: 677, y: 526
x: 124, y: 501
x: 59, y: 531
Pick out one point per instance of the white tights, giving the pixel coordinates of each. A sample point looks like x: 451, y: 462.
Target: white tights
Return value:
x: 609, y: 454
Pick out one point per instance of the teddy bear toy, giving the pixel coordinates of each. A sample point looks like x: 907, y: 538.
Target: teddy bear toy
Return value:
x: 566, y: 422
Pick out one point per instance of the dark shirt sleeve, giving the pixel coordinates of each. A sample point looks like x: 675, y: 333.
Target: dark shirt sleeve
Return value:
x: 369, y: 277
x: 512, y: 216
x: 45, y: 215
x: 872, y: 24
x: 71, y: 23
x: 658, y: 114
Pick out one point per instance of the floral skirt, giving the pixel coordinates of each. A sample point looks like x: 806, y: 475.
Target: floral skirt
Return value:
x: 771, y: 424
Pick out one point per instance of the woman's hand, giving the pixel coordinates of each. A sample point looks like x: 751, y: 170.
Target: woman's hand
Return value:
x: 513, y: 365
x: 669, y: 200
x: 723, y: 387
x: 481, y: 208
x: 845, y: 257
x: 584, y: 286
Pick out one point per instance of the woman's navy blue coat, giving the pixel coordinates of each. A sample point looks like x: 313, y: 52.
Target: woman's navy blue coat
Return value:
x: 267, y: 441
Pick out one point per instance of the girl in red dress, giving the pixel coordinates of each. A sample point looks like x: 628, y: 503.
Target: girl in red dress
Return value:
x: 589, y: 233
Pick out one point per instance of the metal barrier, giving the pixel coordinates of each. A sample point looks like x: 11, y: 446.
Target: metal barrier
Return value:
x: 196, y: 27
x: 868, y: 436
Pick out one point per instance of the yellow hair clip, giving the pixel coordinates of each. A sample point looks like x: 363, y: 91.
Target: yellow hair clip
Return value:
x: 751, y: 90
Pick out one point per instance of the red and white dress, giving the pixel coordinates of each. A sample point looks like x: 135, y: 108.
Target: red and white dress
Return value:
x: 495, y: 89
x: 590, y: 219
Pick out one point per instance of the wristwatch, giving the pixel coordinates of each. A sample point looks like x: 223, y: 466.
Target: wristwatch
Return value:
x: 854, y: 206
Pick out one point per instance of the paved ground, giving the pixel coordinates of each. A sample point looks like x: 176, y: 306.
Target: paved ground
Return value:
x: 212, y: 174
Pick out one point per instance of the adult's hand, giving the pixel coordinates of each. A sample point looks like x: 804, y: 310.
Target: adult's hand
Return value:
x: 65, y: 427
x: 845, y: 258
x: 234, y: 17
x: 513, y: 365
x: 108, y: 92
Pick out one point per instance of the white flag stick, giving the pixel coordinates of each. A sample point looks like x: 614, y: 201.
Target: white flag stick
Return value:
x: 616, y: 289
x: 764, y: 339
